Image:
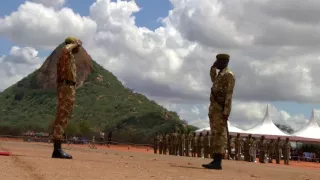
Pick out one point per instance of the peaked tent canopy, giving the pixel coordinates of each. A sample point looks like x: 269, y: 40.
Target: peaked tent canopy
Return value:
x: 267, y: 128
x: 232, y: 130
x: 311, y: 132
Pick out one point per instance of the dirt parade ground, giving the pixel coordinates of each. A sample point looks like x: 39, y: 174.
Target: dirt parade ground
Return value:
x: 31, y: 161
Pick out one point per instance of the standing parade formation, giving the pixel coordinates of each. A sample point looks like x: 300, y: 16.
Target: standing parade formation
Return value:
x: 245, y: 148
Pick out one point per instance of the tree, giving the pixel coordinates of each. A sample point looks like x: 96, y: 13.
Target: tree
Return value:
x: 84, y: 127
x: 72, y: 128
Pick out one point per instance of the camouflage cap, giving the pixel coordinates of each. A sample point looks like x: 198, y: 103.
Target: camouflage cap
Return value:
x: 70, y: 40
x: 223, y: 56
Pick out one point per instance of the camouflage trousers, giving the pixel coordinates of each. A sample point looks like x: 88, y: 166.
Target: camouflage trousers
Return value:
x: 174, y: 149
x: 165, y: 148
x: 218, y: 129
x: 66, y: 98
x: 206, y: 151
x: 194, y: 151
x: 187, y: 149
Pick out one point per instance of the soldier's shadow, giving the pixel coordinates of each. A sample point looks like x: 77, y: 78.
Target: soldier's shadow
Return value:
x: 182, y: 166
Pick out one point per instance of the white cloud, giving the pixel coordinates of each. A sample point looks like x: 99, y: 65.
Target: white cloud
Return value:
x: 18, y: 64
x: 39, y: 26
x: 51, y: 3
x: 274, y: 50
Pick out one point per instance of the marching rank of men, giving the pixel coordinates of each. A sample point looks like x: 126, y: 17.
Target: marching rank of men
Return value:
x: 179, y: 143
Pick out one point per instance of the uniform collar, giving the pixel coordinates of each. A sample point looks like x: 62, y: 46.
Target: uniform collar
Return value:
x: 223, y: 71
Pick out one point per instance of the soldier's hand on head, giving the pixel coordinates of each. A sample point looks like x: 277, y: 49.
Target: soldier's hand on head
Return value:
x: 79, y: 42
x: 214, y: 64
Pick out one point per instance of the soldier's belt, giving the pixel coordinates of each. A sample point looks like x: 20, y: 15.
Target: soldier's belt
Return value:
x: 67, y: 82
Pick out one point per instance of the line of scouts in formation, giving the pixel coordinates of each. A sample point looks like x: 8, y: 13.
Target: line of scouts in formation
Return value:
x: 184, y: 144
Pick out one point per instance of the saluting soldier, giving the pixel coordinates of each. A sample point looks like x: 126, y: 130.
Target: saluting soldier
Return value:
x: 221, y: 94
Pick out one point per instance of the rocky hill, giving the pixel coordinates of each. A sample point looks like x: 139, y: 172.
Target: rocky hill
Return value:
x: 102, y: 103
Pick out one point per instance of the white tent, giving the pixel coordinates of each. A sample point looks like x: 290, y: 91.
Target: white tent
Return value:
x: 232, y: 130
x: 311, y: 132
x: 267, y: 128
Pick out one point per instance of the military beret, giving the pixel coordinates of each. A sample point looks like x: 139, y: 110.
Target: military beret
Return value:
x: 70, y: 40
x: 222, y: 56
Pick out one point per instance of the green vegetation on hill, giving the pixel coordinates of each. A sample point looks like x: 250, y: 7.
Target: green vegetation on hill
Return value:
x: 102, y: 103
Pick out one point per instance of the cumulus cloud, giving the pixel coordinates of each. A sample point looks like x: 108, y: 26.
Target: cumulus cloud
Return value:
x: 18, y: 64
x: 39, y: 26
x: 273, y: 46
x: 244, y: 115
x: 51, y: 3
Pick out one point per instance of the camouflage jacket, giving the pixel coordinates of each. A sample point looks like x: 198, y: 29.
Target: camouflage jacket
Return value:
x: 271, y: 146
x: 189, y: 138
x: 194, y: 141
x: 237, y: 141
x: 278, y: 145
x: 160, y: 138
x: 174, y: 138
x: 167, y: 139
x: 156, y: 139
x: 222, y: 90
x: 201, y: 141
x: 66, y: 65
x: 206, y: 141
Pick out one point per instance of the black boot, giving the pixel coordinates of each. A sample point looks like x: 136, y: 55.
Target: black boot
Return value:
x: 58, y: 152
x: 213, y: 161
x: 215, y: 164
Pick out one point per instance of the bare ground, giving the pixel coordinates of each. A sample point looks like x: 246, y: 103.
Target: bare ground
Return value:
x: 31, y: 161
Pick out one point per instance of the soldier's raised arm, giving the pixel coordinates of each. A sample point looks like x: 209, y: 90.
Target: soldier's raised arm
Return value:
x: 72, y: 43
x: 213, y: 72
x: 228, y: 101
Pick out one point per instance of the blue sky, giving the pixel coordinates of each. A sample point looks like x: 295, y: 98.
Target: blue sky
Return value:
x: 148, y: 16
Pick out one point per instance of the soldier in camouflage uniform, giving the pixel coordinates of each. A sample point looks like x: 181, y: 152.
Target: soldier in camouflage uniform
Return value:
x: 262, y: 149
x: 179, y: 144
x: 286, y: 151
x: 182, y: 144
x: 220, y: 107
x: 66, y: 90
x: 270, y: 150
x: 237, y: 144
x: 160, y: 143
x: 170, y: 144
x: 206, y: 145
x: 165, y: 143
x: 278, y: 150
x: 194, y: 145
x: 200, y: 145
x: 188, y: 144
x: 247, y: 145
x: 253, y: 149
x: 175, y: 141
x: 155, y: 143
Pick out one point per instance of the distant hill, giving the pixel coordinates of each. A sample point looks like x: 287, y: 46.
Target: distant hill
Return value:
x: 102, y: 103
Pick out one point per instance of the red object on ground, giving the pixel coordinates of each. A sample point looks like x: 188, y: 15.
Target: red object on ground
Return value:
x: 4, y: 153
